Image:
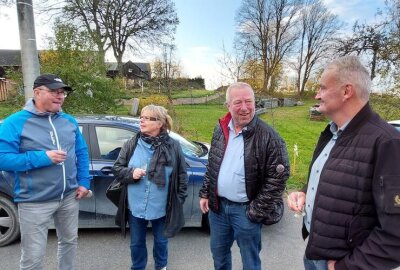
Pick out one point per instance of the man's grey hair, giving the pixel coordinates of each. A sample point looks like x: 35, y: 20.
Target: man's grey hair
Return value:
x: 236, y: 85
x: 350, y: 70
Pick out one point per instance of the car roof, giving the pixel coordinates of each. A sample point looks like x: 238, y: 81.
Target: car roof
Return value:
x: 394, y: 122
x: 107, y: 119
x: 85, y: 119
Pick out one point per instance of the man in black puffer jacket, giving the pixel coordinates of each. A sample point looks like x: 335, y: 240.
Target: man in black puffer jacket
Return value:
x: 246, y: 175
x: 353, y: 192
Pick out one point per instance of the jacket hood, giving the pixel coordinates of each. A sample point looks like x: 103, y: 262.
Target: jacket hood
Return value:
x: 30, y: 107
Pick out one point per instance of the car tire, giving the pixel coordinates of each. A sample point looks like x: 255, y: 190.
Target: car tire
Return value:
x: 9, y: 223
x: 205, y: 224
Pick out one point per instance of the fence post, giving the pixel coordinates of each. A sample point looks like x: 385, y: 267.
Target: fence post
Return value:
x: 3, y: 90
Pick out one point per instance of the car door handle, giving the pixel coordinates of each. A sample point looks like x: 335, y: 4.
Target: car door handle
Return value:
x: 107, y: 171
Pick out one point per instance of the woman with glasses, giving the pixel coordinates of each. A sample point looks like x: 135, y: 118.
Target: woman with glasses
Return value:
x: 153, y: 169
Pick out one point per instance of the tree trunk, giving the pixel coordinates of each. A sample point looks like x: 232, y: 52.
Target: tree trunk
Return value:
x: 119, y: 64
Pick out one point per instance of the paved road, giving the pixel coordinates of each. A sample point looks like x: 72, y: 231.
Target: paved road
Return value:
x: 105, y: 249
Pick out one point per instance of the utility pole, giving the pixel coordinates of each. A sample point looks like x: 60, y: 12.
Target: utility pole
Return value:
x: 27, y: 37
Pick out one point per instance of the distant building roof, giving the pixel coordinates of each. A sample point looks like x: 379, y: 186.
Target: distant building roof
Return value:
x: 130, y: 69
x: 143, y: 66
x: 10, y: 58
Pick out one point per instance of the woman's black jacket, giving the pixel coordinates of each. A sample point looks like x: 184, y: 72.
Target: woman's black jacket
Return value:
x: 177, y: 185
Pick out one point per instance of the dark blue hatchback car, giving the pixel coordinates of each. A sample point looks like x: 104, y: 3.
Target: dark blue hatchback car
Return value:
x: 105, y: 136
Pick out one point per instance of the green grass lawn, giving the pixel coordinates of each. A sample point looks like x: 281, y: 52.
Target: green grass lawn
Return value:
x: 8, y: 107
x: 295, y: 127
x: 197, y: 121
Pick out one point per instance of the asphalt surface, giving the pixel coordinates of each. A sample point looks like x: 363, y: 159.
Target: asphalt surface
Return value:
x: 100, y: 249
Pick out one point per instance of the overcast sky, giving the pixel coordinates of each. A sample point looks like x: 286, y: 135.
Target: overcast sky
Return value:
x: 205, y: 25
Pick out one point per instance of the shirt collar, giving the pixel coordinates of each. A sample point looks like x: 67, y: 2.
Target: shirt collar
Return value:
x: 232, y: 128
x: 337, y: 131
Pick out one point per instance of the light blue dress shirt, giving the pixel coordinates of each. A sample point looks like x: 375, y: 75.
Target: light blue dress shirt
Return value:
x: 231, y: 178
x: 315, y: 173
x: 146, y: 200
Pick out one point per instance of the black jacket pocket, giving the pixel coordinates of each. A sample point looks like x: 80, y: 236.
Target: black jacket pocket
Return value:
x: 391, y: 194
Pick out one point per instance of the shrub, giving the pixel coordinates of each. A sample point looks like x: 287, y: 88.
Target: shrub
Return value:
x: 73, y: 59
x: 159, y: 100
x: 387, y: 106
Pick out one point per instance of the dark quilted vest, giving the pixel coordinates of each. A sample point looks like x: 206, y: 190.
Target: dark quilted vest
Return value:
x: 344, y: 209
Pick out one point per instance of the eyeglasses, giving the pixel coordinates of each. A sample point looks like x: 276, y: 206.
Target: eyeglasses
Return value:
x: 148, y: 118
x: 57, y: 92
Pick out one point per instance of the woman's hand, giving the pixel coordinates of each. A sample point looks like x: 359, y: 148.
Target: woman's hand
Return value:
x: 138, y: 173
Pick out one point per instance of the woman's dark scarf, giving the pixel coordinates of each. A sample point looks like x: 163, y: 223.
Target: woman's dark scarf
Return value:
x: 161, y: 157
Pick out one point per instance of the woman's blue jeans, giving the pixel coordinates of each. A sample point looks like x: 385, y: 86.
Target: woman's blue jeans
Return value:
x: 231, y: 224
x: 138, y: 229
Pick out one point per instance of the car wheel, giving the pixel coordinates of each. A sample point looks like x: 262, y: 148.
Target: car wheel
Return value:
x: 9, y: 224
x: 205, y: 224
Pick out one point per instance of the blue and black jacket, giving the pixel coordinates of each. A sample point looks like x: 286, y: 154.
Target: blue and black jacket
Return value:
x: 25, y: 137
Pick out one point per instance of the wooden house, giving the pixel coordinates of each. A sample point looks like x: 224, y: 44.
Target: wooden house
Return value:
x: 130, y: 70
x: 9, y: 60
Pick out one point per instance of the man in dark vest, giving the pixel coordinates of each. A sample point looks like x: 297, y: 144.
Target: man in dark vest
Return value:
x: 352, y: 198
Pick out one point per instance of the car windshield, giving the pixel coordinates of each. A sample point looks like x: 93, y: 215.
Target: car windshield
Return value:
x: 188, y: 148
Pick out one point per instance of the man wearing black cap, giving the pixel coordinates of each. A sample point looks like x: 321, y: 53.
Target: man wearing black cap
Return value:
x: 47, y: 153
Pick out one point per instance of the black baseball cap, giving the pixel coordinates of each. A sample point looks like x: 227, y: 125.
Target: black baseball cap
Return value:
x: 51, y: 81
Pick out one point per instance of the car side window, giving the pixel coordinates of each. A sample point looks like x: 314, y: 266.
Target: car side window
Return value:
x: 110, y: 140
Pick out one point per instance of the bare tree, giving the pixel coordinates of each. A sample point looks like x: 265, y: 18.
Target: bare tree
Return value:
x: 370, y: 40
x: 119, y: 24
x: 393, y: 24
x: 317, y: 30
x: 7, y: 3
x: 393, y: 12
x: 166, y: 68
x: 157, y: 70
x: 392, y: 53
x: 88, y: 15
x: 134, y: 23
x: 268, y: 27
x: 233, y: 64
